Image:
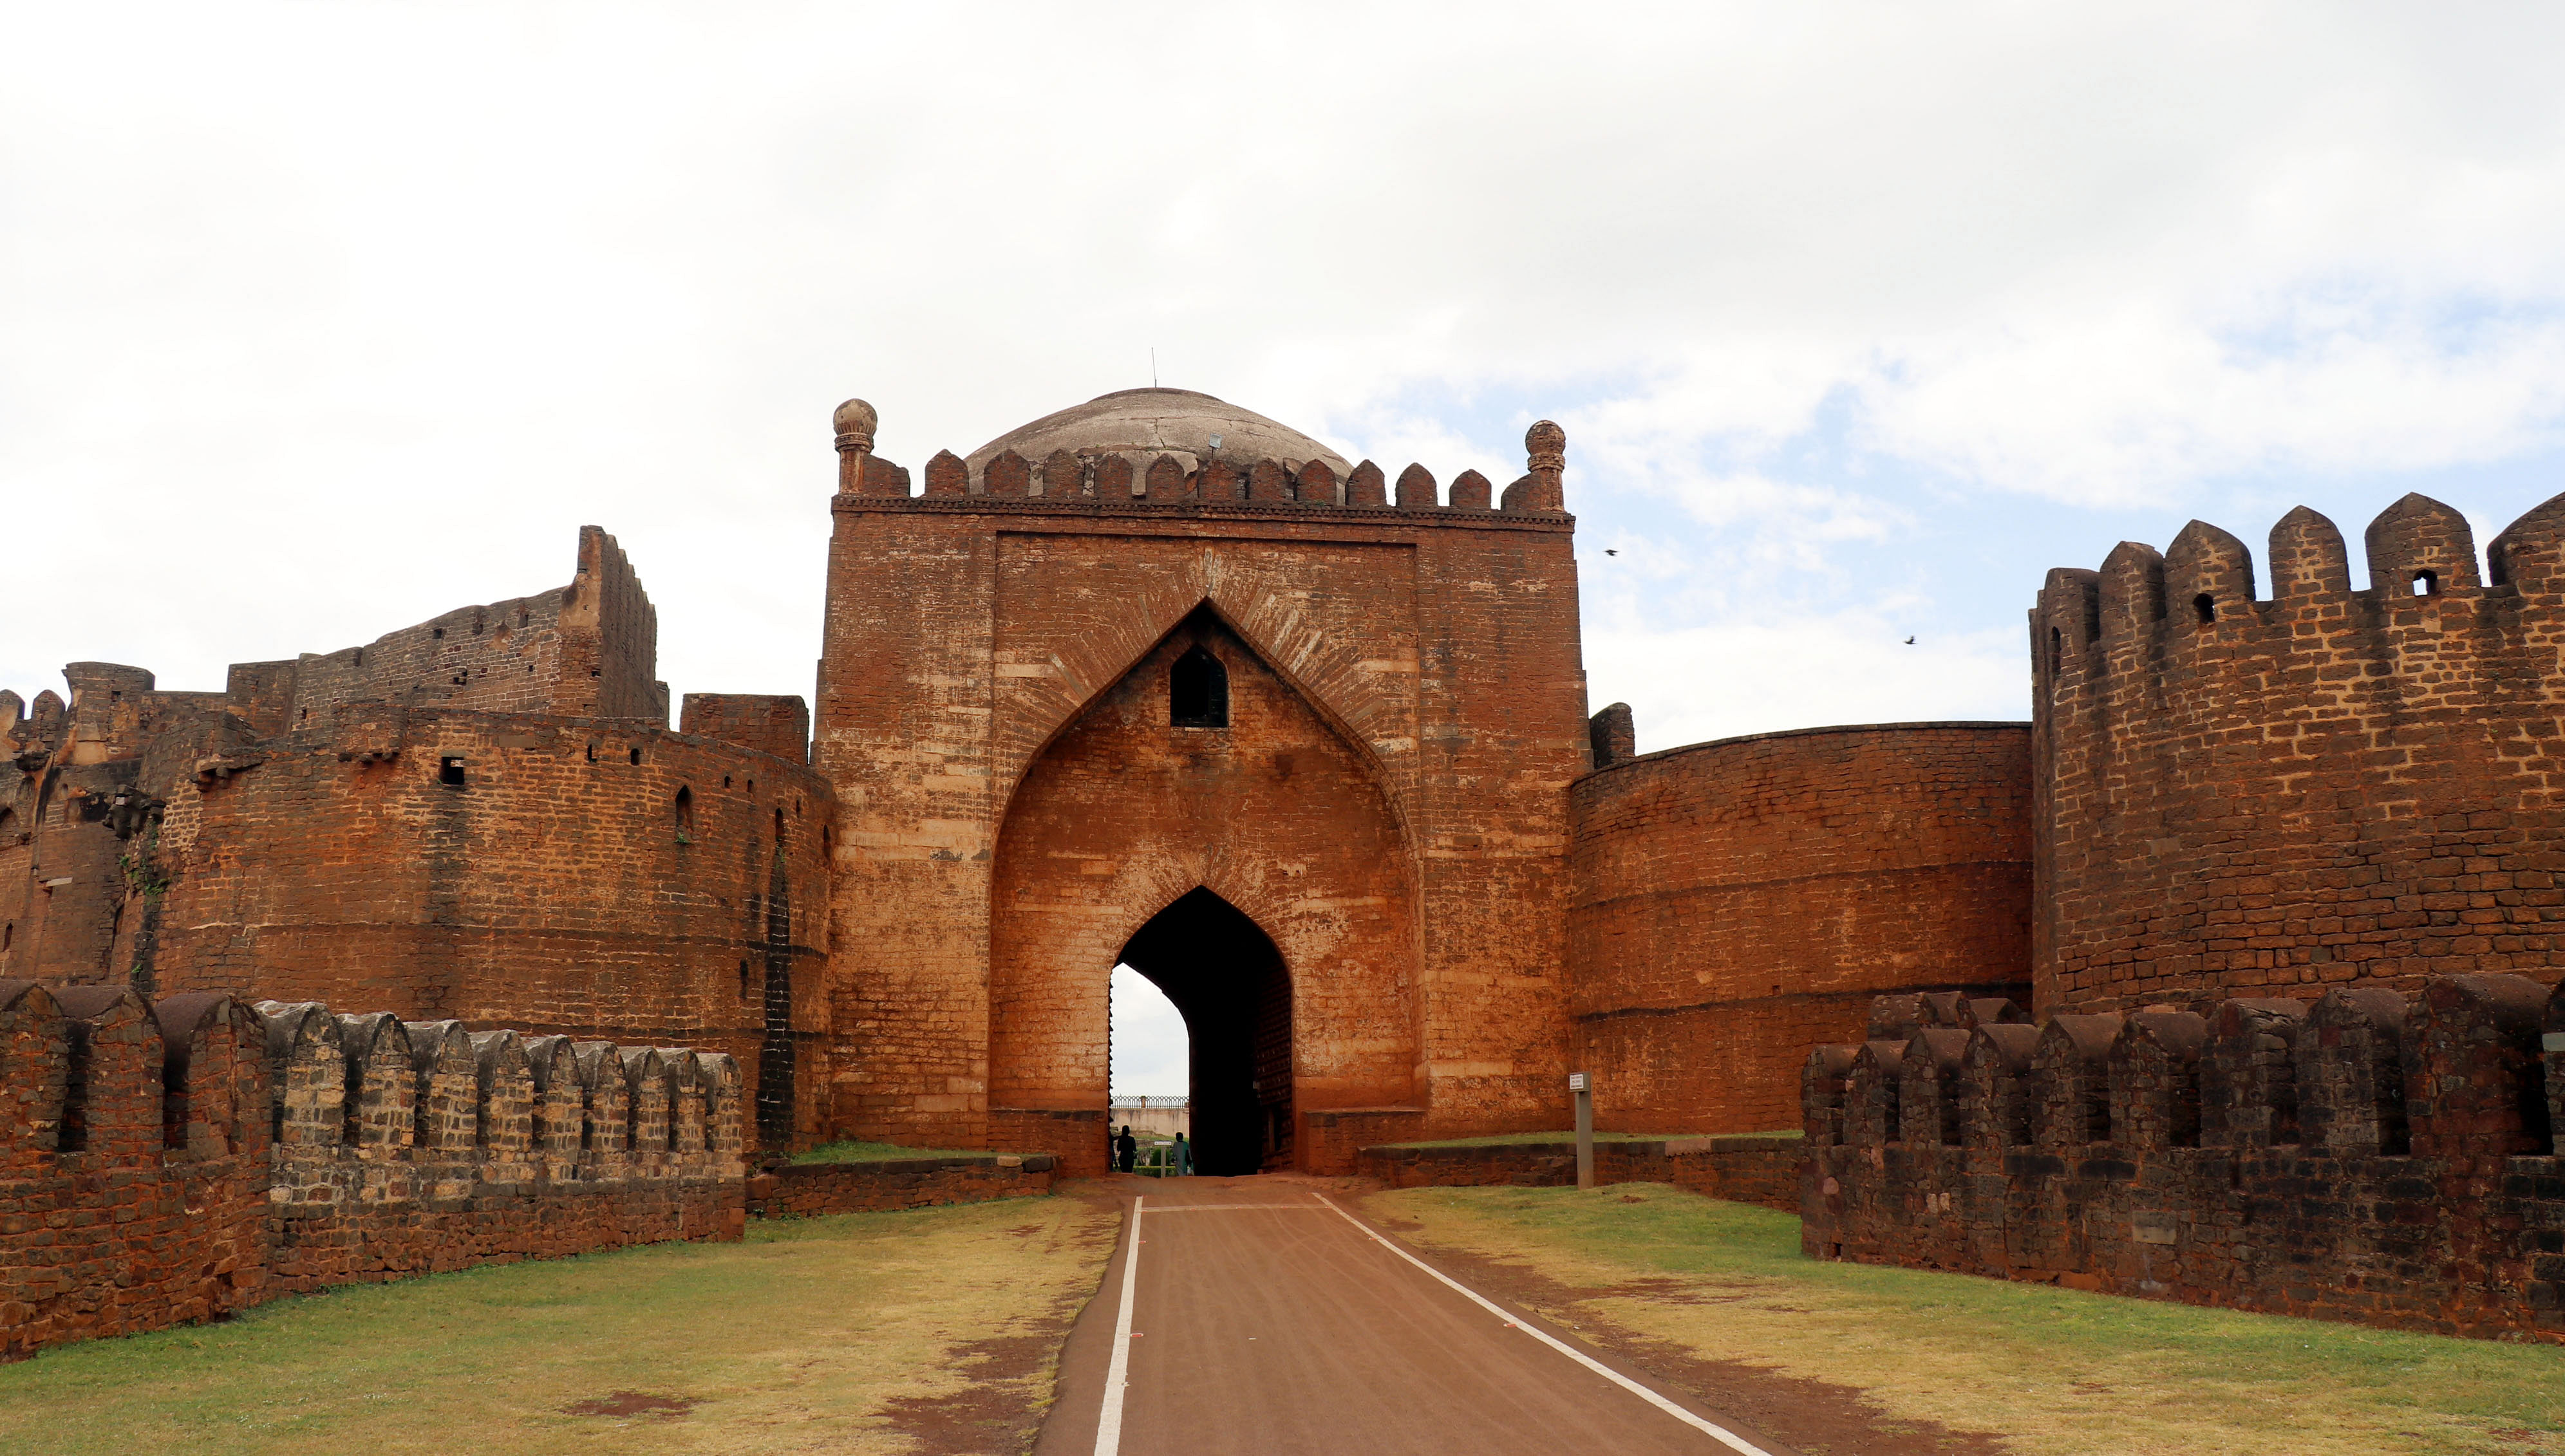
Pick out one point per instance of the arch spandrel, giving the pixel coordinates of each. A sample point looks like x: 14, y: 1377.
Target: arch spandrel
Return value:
x: 1075, y: 613
x: 1123, y: 814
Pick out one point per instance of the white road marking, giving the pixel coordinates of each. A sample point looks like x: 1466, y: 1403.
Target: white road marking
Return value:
x: 1108, y: 1425
x: 1166, y: 1208
x: 1723, y: 1434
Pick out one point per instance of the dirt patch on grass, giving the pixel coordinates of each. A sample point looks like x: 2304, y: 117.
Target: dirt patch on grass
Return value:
x: 634, y: 1405
x: 1003, y: 1407
x: 1812, y: 1417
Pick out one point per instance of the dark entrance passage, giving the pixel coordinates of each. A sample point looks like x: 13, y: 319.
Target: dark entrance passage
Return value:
x: 1228, y: 981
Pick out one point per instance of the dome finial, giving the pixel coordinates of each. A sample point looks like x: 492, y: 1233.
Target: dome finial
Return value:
x: 1542, y: 486
x: 855, y: 421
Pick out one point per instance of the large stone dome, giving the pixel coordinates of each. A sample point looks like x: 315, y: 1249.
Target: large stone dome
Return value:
x: 1144, y: 423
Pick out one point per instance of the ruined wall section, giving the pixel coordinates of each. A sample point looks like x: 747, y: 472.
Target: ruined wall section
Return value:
x: 593, y: 877
x: 585, y: 650
x: 969, y: 623
x: 2327, y: 787
x: 1736, y: 902
x: 82, y: 792
x: 2366, y: 1156
x: 610, y: 639
x: 173, y: 1162
x: 780, y: 725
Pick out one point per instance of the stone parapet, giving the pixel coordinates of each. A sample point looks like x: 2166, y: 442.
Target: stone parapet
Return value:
x: 2367, y: 1158
x: 178, y: 1160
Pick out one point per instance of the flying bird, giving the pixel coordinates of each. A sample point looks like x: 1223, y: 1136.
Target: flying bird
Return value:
x: 1910, y: 642
x: 1607, y: 550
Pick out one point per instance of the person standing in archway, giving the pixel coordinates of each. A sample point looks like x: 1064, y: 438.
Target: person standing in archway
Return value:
x: 1181, y: 1157
x: 1126, y: 1150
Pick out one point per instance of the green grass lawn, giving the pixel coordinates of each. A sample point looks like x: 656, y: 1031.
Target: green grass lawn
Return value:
x: 2054, y: 1371
x: 813, y: 1334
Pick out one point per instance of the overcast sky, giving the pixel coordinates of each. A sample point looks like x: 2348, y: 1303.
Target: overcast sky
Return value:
x: 317, y: 319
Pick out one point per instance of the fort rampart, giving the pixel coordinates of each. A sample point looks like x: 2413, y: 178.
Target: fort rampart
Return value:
x: 1736, y: 902
x: 171, y: 1161
x: 2367, y: 1156
x: 603, y: 877
x: 2325, y: 787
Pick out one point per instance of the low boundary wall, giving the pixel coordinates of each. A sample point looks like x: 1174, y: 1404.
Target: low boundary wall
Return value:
x: 1739, y: 1168
x: 2364, y: 1158
x: 175, y: 1160
x: 800, y: 1190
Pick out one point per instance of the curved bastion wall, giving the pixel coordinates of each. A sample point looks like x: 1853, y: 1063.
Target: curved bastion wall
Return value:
x: 2327, y: 787
x: 1736, y: 902
x: 593, y: 877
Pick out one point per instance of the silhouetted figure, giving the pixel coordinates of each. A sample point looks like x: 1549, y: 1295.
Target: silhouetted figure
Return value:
x: 1181, y: 1157
x: 1126, y: 1149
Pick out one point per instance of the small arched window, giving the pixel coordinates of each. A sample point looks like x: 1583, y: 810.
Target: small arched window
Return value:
x: 2056, y: 651
x: 743, y: 980
x: 779, y: 828
x: 685, y: 815
x: 2427, y: 583
x: 1198, y: 690
x: 2206, y: 607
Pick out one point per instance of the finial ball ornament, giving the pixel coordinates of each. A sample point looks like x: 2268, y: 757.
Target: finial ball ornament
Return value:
x: 1546, y: 444
x: 855, y: 418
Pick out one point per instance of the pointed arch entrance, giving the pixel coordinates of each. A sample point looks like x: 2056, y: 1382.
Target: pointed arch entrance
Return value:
x: 1226, y: 979
x: 1248, y: 863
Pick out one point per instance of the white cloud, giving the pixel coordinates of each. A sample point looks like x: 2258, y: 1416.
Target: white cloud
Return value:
x: 315, y: 322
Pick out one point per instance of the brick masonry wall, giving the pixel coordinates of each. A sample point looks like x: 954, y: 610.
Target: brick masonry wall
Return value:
x: 770, y: 725
x: 2366, y: 1157
x: 1428, y: 651
x: 2328, y: 787
x: 557, y: 889
x: 1331, y: 1141
x: 802, y: 1190
x: 1738, y: 902
x: 171, y: 1162
x: 1764, y: 1171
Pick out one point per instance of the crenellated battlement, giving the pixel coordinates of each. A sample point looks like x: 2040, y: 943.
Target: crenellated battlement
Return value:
x: 169, y: 1161
x: 371, y: 1109
x: 2366, y: 1156
x: 2321, y: 786
x: 2459, y: 1070
x: 1210, y: 480
x: 2198, y: 596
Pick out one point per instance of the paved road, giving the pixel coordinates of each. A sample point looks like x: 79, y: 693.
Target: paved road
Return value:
x: 1264, y: 1320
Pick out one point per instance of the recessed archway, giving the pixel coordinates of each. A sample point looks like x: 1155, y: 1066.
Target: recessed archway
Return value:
x: 1226, y: 979
x: 1253, y: 871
